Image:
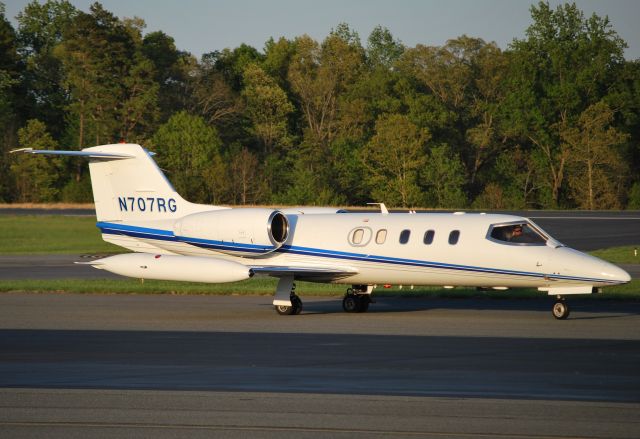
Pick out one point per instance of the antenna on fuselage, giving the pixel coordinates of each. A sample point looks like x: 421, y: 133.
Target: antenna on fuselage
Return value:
x: 383, y: 208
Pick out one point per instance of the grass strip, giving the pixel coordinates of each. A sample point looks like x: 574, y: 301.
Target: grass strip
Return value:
x: 628, y: 254
x: 52, y: 234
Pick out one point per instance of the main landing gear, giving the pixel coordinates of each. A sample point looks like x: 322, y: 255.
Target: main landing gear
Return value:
x: 560, y: 309
x: 357, y: 299
x: 296, y: 304
x: 286, y: 302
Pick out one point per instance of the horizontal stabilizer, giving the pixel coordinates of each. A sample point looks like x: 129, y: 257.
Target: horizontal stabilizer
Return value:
x: 87, y: 154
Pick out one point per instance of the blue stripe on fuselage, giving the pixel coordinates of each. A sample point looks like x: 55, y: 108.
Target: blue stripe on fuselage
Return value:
x: 167, y: 235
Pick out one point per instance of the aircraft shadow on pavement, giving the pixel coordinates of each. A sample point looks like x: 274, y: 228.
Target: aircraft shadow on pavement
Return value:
x: 509, y: 367
x: 596, y: 308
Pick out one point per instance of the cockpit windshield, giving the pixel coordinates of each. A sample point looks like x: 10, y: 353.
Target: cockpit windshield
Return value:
x: 522, y: 233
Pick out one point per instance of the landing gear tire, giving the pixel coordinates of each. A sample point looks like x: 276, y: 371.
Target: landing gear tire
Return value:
x: 364, y: 303
x: 355, y: 303
x: 294, y: 309
x: 560, y: 310
x: 297, y: 305
x: 350, y: 303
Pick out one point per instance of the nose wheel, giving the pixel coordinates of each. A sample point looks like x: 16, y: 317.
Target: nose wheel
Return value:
x: 560, y: 309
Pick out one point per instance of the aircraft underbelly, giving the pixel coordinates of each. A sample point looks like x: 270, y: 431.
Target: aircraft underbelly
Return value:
x: 403, y: 275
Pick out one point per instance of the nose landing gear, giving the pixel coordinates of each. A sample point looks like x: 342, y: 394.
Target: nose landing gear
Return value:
x: 560, y: 309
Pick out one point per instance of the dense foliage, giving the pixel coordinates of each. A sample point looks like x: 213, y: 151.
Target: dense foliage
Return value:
x: 553, y: 121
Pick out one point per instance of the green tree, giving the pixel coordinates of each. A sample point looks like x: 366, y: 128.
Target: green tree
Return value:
x: 277, y: 58
x: 565, y: 64
x: 319, y: 75
x: 514, y: 182
x: 190, y: 151
x: 232, y: 63
x: 212, y: 97
x: 139, y: 107
x: 40, y: 30
x: 596, y: 170
x: 633, y: 201
x: 393, y: 159
x: 35, y: 177
x: 10, y: 96
x: 247, y: 185
x: 444, y: 178
x: 267, y: 106
x: 463, y: 79
x: 172, y: 72
x: 96, y: 53
x: 382, y: 49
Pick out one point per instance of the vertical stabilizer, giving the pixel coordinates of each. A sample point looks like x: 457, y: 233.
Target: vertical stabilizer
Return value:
x: 128, y: 185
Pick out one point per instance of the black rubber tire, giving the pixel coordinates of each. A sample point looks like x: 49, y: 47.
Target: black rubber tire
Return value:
x: 364, y: 303
x: 351, y: 303
x: 560, y: 310
x: 284, y: 310
x: 297, y: 305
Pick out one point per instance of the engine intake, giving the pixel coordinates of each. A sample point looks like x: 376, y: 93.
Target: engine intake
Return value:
x: 241, y: 232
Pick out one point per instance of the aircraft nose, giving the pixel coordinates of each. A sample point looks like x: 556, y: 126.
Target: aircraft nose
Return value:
x: 581, y: 264
x: 616, y: 273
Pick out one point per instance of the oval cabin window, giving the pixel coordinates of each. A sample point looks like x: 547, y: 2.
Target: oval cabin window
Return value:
x: 428, y: 237
x: 404, y: 236
x: 381, y: 236
x: 357, y: 236
x: 454, y: 236
x: 360, y: 236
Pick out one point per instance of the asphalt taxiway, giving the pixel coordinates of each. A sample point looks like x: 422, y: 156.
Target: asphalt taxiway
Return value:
x: 191, y: 366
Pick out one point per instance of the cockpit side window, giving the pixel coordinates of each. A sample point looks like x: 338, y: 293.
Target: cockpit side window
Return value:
x: 516, y: 234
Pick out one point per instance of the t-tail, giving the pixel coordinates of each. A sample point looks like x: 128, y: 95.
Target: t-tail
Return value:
x: 128, y: 185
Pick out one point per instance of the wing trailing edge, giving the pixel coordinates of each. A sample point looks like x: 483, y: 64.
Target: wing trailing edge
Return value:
x: 313, y: 274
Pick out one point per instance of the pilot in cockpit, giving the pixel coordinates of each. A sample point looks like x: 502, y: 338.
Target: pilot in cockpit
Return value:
x: 514, y: 234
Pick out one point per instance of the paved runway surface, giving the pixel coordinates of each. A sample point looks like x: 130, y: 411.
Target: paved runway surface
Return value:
x: 49, y: 267
x: 198, y: 366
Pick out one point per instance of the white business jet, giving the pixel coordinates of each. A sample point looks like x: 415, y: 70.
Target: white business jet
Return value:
x: 173, y: 239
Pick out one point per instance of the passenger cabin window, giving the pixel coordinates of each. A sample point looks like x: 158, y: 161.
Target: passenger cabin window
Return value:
x: 454, y: 236
x: 356, y: 238
x: 381, y: 236
x: 517, y: 234
x: 428, y: 237
x: 360, y: 236
x: 404, y: 236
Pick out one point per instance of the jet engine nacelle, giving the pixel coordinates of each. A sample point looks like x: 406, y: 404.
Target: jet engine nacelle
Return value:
x: 241, y: 232
x: 174, y: 267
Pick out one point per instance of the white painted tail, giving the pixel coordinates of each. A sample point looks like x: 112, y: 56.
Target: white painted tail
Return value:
x: 134, y: 188
x: 128, y: 185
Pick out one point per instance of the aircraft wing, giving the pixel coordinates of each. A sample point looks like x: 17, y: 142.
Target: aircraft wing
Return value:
x: 311, y: 274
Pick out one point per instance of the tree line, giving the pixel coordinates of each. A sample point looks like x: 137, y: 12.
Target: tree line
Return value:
x: 552, y: 121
